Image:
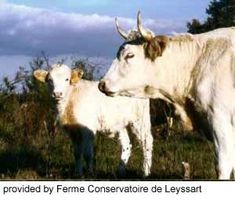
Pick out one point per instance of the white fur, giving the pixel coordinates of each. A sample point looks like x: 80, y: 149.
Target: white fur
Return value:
x: 93, y: 111
x: 200, y: 69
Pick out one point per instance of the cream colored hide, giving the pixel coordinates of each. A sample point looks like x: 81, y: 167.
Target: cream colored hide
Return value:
x: 83, y: 110
x: 184, y: 69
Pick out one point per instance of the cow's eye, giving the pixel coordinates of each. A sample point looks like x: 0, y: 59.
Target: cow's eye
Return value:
x: 66, y: 79
x: 129, y: 56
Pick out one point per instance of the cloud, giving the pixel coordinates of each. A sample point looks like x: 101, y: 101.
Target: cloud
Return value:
x: 27, y: 31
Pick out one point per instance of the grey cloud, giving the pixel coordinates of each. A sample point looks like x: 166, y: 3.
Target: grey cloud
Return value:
x: 28, y: 31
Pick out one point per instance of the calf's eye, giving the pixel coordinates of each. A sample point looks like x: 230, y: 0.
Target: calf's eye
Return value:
x: 66, y: 79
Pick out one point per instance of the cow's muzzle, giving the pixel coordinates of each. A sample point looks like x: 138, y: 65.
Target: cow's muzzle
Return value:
x: 103, y: 88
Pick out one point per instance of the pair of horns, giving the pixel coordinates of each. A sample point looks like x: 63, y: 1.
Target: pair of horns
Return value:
x: 147, y: 35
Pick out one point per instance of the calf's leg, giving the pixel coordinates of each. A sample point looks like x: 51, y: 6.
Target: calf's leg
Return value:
x: 145, y: 137
x: 125, y: 145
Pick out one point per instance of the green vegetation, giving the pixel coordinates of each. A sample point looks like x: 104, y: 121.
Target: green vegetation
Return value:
x: 33, y: 147
x: 221, y: 13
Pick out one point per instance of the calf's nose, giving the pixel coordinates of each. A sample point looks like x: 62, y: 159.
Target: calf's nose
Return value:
x: 57, y: 94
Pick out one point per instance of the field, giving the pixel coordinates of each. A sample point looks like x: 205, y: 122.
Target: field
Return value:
x: 33, y: 148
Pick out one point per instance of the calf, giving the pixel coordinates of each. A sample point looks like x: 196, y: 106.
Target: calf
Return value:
x: 83, y: 110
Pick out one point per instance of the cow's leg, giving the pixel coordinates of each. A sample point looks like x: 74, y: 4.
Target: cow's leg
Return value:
x: 125, y: 145
x: 147, y: 151
x: 233, y: 125
x: 88, y: 151
x: 85, y: 148
x: 78, y: 153
x: 82, y: 140
x: 224, y: 143
x: 145, y: 137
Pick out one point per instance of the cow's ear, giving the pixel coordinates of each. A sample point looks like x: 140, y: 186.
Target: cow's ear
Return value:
x: 76, y: 75
x: 40, y: 75
x: 155, y: 47
x: 162, y: 41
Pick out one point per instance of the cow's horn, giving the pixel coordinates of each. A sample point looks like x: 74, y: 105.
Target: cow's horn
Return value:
x: 147, y: 35
x: 120, y: 30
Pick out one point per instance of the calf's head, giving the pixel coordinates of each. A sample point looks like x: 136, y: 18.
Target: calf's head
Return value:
x: 59, y: 79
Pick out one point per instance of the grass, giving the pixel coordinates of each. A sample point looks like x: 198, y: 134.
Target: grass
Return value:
x: 44, y: 155
x: 32, y: 148
x: 169, y: 155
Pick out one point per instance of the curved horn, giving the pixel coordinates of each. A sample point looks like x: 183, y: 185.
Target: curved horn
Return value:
x: 147, y: 35
x: 120, y: 30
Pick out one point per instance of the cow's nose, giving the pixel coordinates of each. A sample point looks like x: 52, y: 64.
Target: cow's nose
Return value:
x: 102, y: 86
x: 57, y: 94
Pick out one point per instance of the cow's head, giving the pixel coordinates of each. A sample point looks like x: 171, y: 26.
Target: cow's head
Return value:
x: 59, y: 79
x: 129, y: 71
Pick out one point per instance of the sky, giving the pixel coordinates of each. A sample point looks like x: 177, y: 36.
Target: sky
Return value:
x: 82, y: 28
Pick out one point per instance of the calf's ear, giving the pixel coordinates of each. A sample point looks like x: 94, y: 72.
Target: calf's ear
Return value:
x: 40, y: 75
x: 76, y: 75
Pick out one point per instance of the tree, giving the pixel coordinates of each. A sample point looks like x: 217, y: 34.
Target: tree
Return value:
x: 195, y: 26
x: 221, y: 13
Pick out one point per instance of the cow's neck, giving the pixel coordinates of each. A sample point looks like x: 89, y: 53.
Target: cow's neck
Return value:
x: 173, y: 71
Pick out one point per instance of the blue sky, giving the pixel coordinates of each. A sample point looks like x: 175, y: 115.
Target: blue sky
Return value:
x: 82, y: 28
x: 167, y: 9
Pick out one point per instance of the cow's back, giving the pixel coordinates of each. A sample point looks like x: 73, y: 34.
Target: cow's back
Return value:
x: 220, y: 33
x: 98, y: 111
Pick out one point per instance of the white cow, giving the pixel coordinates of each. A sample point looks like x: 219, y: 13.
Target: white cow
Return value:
x: 196, y: 73
x: 83, y: 110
